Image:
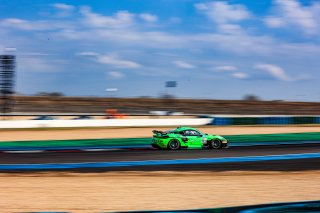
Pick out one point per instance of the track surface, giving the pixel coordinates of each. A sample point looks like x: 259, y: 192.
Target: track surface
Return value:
x: 153, y: 154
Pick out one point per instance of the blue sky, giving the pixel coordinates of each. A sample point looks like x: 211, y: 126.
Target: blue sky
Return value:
x: 213, y: 49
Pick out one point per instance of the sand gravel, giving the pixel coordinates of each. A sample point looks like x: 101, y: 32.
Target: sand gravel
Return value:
x: 122, y: 191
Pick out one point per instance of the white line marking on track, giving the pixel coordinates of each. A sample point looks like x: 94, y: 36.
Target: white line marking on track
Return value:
x: 24, y: 151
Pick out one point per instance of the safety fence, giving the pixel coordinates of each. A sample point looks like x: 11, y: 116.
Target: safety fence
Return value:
x: 261, y: 120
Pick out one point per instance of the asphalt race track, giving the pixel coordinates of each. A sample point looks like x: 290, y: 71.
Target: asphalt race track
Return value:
x: 153, y: 154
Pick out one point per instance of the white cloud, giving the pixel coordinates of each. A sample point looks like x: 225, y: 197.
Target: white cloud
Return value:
x: 225, y: 68
x: 239, y: 43
x: 99, y: 35
x: 226, y: 16
x: 62, y: 6
x: 275, y: 71
x: 119, y: 20
x: 115, y: 62
x: 39, y: 65
x: 88, y: 53
x: 293, y: 14
x: 125, y: 36
x: 183, y: 64
x: 35, y: 54
x: 222, y: 12
x: 148, y: 17
x: 233, y: 29
x: 240, y: 75
x: 23, y: 24
x: 232, y: 70
x: 13, y: 21
x: 27, y: 25
x: 274, y: 22
x: 116, y: 74
x: 112, y: 30
x: 64, y: 10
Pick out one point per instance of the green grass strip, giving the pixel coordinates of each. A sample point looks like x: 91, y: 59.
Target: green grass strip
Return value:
x: 146, y: 141
x: 74, y: 143
x: 309, y: 136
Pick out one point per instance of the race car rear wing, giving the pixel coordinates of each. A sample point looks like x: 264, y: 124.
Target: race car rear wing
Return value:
x: 156, y: 132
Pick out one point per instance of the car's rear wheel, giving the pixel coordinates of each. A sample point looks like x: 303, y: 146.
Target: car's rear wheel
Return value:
x: 174, y: 145
x: 215, y: 144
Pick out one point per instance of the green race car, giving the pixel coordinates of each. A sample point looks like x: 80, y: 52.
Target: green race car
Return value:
x: 187, y: 137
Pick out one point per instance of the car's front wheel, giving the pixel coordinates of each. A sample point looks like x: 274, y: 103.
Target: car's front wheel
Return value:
x: 174, y: 145
x: 215, y: 144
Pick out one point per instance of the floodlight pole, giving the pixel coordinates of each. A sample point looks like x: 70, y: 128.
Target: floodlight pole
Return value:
x: 7, y: 77
x: 111, y: 90
x: 171, y: 98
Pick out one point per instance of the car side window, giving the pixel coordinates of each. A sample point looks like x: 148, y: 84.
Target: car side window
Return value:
x: 190, y: 133
x: 195, y: 133
x: 187, y: 133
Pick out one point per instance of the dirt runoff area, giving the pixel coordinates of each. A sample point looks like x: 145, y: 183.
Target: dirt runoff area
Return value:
x: 124, y: 191
x: 92, y: 133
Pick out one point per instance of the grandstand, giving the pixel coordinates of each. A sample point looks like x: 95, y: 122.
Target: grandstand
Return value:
x: 62, y: 104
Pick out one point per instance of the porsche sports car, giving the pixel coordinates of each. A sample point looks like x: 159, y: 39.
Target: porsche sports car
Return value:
x: 187, y: 137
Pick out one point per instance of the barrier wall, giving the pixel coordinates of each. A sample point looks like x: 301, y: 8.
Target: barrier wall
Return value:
x: 203, y: 120
x: 264, y: 120
x: 104, y: 123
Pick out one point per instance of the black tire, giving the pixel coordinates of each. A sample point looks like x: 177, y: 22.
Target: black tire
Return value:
x: 215, y: 144
x: 173, y: 145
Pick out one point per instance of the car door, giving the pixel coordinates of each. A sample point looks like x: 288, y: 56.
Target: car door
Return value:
x: 194, y: 139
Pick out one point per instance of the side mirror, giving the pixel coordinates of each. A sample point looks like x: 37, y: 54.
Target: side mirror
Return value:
x: 184, y: 138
